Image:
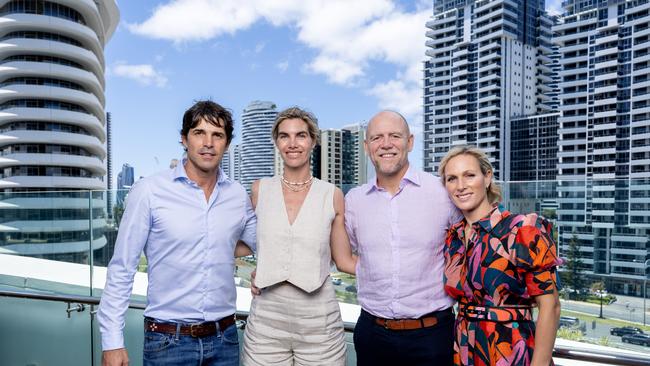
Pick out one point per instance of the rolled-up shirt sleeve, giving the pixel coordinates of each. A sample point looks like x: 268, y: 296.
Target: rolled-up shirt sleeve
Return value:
x: 349, y: 222
x: 131, y: 239
x: 249, y: 234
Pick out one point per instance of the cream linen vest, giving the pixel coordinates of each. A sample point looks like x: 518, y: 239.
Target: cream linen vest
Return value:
x: 298, y: 253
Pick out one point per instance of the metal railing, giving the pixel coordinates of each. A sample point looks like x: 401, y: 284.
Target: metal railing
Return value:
x: 78, y: 303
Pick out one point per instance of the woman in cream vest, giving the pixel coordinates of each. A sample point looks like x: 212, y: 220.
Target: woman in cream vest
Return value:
x: 296, y: 320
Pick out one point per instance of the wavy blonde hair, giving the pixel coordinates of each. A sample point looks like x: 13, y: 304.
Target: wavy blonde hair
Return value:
x: 297, y: 113
x: 493, y: 190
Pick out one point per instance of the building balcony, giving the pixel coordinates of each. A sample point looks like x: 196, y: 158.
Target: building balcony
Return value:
x: 40, y: 69
x: 21, y: 21
x: 91, y: 143
x: 87, y: 121
x: 606, y: 64
x: 571, y: 60
x: 606, y: 51
x: 606, y: 39
x: 45, y: 47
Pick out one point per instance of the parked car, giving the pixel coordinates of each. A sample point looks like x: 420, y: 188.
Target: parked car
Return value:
x: 336, y: 281
x: 622, y: 331
x: 637, y: 338
x: 351, y: 288
x: 569, y: 322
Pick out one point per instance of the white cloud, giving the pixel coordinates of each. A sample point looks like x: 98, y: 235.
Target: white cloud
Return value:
x: 400, y: 96
x: 554, y: 7
x: 190, y: 20
x: 337, y: 70
x: 144, y: 74
x: 282, y: 66
x: 347, y: 35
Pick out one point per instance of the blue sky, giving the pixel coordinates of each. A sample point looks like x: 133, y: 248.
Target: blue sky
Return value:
x: 342, y: 59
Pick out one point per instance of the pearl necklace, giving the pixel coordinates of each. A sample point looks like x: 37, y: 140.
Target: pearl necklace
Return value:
x: 297, y: 186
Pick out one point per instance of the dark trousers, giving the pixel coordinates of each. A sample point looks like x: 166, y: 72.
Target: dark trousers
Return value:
x: 377, y: 346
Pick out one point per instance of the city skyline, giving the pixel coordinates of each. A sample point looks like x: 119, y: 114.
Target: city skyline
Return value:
x: 261, y: 53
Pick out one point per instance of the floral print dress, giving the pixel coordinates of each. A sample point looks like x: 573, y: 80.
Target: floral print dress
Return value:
x: 508, y: 260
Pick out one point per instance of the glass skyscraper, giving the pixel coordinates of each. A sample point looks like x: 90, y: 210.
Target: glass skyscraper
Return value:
x: 257, y: 145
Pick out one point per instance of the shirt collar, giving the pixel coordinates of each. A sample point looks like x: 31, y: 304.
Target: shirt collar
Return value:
x: 487, y: 223
x: 411, y: 176
x: 180, y: 173
x: 493, y: 218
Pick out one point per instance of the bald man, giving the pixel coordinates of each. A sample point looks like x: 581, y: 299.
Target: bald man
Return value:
x: 397, y: 224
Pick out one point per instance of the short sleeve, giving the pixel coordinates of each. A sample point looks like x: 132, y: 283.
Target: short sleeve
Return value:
x: 537, y: 259
x: 454, y: 253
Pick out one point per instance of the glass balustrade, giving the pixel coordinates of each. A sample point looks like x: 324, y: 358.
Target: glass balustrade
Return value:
x: 60, y: 242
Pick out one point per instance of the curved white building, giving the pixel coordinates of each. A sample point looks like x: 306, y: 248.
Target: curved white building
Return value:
x: 52, y: 124
x: 257, y: 144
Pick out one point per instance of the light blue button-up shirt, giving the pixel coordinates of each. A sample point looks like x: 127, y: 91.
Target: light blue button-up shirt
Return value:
x: 189, y: 244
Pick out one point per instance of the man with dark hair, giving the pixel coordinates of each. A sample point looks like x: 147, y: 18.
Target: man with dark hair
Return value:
x: 189, y: 220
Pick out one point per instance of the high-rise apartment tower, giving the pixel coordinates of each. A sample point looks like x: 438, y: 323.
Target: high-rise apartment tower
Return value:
x: 257, y: 144
x: 489, y: 61
x: 604, y: 137
x: 52, y: 125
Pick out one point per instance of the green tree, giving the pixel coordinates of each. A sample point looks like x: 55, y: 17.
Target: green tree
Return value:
x: 118, y: 211
x: 549, y: 213
x: 572, y: 275
x: 597, y: 287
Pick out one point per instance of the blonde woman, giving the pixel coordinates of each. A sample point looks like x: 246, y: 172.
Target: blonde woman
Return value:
x: 295, y: 319
x: 498, y: 266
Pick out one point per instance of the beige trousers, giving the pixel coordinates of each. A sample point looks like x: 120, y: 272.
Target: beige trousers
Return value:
x: 288, y: 326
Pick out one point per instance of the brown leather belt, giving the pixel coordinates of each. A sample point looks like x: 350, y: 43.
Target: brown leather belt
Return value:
x: 195, y: 330
x: 426, y: 321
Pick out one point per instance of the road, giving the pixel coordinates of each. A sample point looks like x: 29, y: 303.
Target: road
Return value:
x: 597, y: 331
x: 625, y: 308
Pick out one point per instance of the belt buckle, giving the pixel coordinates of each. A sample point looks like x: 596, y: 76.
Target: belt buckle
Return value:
x: 386, y: 324
x: 478, y: 312
x: 195, y: 330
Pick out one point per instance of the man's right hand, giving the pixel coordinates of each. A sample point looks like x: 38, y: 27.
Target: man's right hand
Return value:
x: 115, y: 357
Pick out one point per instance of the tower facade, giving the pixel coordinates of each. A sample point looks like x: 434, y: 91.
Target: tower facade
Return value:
x: 604, y: 138
x: 343, y: 161
x: 125, y: 179
x: 257, y: 145
x: 53, y: 126
x: 489, y: 61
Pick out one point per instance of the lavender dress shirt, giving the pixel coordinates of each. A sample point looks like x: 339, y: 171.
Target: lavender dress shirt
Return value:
x: 400, y: 241
x: 189, y: 244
